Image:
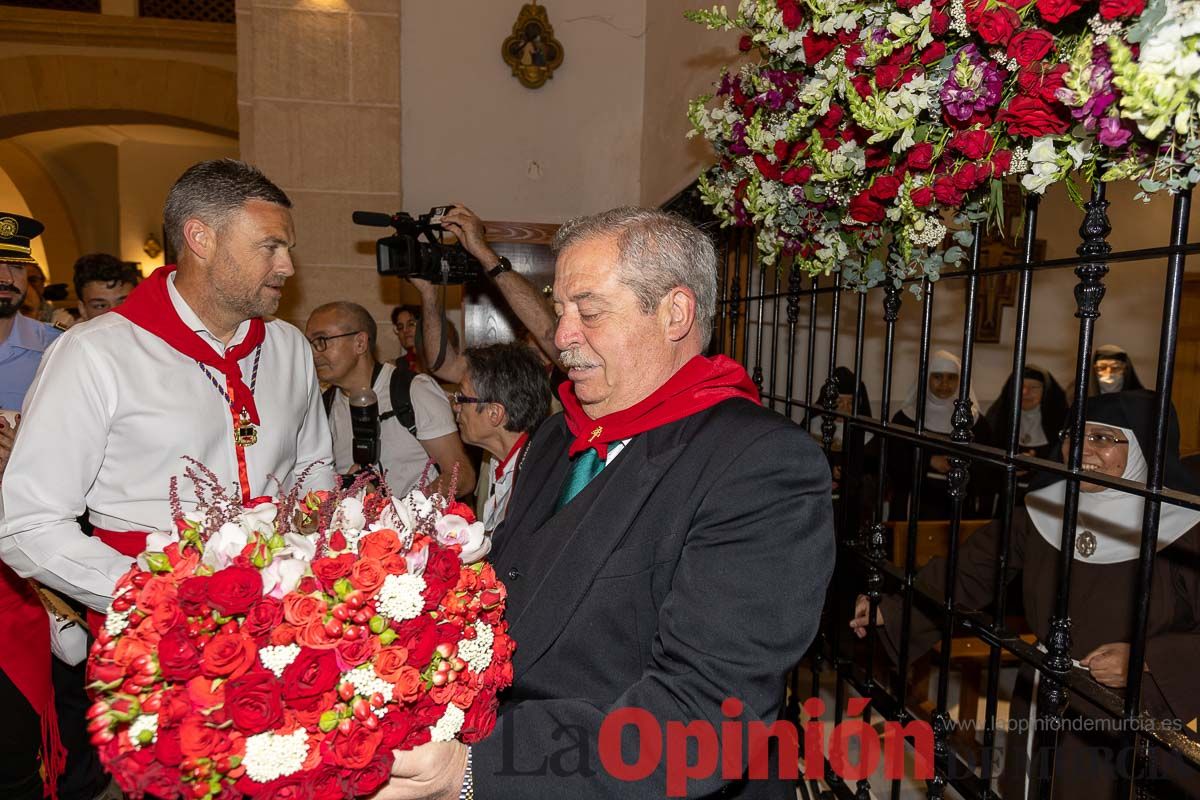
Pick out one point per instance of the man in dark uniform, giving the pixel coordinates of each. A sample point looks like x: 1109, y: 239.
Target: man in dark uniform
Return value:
x: 668, y: 545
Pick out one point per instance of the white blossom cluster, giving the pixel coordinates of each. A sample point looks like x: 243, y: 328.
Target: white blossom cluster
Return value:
x: 366, y: 683
x: 277, y: 657
x: 400, y: 596
x: 449, y: 725
x: 142, y: 724
x: 1104, y: 28
x: 477, y: 652
x: 270, y: 755
x: 930, y: 234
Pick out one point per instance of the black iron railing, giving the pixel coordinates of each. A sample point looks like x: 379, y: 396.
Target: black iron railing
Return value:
x: 750, y: 328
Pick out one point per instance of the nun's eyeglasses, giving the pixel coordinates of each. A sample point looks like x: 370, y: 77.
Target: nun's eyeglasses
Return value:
x: 1102, y: 442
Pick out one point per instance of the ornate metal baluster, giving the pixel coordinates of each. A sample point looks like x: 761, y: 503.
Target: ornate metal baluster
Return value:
x: 793, y: 314
x: 1052, y: 694
x: 963, y: 422
x: 757, y: 375
x: 829, y: 392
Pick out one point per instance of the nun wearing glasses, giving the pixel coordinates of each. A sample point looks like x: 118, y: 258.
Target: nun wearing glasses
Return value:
x: 1104, y: 594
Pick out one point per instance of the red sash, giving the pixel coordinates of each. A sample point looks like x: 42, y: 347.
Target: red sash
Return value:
x: 25, y: 660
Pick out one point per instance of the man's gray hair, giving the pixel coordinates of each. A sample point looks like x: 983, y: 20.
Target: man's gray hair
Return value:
x: 213, y: 190
x: 656, y: 252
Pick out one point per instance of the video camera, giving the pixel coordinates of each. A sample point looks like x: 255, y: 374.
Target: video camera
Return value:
x: 405, y: 254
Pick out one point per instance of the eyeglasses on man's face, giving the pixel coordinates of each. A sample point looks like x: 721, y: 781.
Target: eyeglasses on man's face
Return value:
x: 319, y: 343
x: 460, y: 399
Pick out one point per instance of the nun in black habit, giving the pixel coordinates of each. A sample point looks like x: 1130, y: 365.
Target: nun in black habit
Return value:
x: 1043, y: 417
x: 1103, y: 598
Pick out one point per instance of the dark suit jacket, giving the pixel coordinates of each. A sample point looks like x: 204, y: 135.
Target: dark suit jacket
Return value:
x: 693, y: 568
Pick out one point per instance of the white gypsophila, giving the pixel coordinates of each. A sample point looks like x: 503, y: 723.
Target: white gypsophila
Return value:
x: 270, y: 755
x: 277, y: 657
x: 449, y: 725
x: 930, y: 233
x: 117, y: 621
x: 1104, y: 28
x: 143, y: 724
x: 477, y: 652
x: 366, y: 682
x: 400, y: 596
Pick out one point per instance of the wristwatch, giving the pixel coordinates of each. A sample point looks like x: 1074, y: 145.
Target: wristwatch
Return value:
x: 504, y: 266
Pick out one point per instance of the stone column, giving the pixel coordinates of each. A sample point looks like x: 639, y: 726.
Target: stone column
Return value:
x: 319, y: 107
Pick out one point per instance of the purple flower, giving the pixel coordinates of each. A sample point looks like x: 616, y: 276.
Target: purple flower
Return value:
x: 972, y: 85
x: 737, y: 139
x: 1114, y: 132
x: 1093, y: 94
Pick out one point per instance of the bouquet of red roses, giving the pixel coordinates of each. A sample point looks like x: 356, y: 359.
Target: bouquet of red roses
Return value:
x: 286, y: 647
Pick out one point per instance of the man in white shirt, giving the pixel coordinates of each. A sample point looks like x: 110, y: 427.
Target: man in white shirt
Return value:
x: 502, y: 399
x: 343, y: 340
x: 186, y: 367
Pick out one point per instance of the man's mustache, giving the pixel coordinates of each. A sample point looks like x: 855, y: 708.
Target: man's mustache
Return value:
x: 573, y: 359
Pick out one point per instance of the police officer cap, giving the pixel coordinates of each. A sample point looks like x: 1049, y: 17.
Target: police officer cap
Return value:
x: 15, y: 233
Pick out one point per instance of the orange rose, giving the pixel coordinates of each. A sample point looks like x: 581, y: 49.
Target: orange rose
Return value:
x: 408, y: 684
x: 300, y: 609
x: 368, y: 574
x: 314, y: 635
x: 128, y: 648
x: 228, y: 655
x: 395, y: 564
x: 284, y: 634
x: 202, y: 694
x: 379, y: 544
x: 156, y: 592
x: 442, y: 694
x: 389, y: 661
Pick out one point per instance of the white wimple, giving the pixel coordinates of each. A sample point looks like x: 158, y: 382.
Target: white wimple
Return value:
x: 277, y: 657
x: 270, y: 756
x: 449, y: 725
x: 477, y: 652
x: 400, y: 597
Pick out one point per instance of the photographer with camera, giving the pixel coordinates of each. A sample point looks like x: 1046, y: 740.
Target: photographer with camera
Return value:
x: 404, y: 424
x: 530, y: 307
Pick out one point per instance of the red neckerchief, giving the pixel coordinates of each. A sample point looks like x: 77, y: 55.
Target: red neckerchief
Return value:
x: 516, y: 448
x: 699, y: 384
x: 149, y: 307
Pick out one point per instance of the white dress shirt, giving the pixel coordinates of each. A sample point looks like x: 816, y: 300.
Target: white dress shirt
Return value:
x: 108, y: 420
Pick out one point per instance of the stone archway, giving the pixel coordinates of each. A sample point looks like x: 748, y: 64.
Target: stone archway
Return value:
x: 41, y: 92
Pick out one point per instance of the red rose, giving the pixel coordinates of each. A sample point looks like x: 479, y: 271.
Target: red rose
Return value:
x: 974, y: 11
x: 816, y: 47
x: 946, y: 193
x: 878, y: 157
x: 885, y: 187
x: 920, y: 156
x: 167, y: 748
x: 1001, y: 163
x: 480, y: 719
x: 1121, y: 9
x: 331, y: 783
x: 1031, y: 116
x: 314, y: 636
x: 234, y: 589
x: 797, y: 175
x: 254, y: 702
x: 793, y: 17
x: 887, y: 76
x: 228, y: 655
x: 198, y: 739
x: 441, y: 574
x: 921, y: 197
x: 766, y: 168
x: 356, y: 749
x: 409, y: 684
x: 358, y: 651
x: 1029, y: 46
x: 157, y: 781
x: 1040, y: 79
x: 1056, y: 10
x: 939, y: 23
x: 974, y: 144
x: 864, y: 208
x: 372, y: 776
x: 328, y: 570
x: 932, y: 54
x: 997, y: 25
x: 193, y: 595
x: 313, y: 673
x: 862, y: 85
x: 855, y: 55
x: 263, y: 617
x: 178, y: 658
x: 745, y: 43
x: 970, y: 175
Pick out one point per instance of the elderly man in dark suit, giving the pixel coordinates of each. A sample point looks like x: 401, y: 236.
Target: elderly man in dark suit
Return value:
x: 667, y: 549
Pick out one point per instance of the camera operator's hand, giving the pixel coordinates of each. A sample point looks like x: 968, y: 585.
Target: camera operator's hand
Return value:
x: 470, y: 232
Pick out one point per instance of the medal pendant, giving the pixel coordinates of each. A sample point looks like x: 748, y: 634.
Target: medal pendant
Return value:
x: 1085, y: 544
x: 245, y: 433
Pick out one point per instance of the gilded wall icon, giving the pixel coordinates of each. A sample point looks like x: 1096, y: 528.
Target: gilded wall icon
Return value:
x: 531, y: 50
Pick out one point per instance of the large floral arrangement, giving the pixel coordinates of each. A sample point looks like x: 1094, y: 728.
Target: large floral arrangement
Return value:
x: 864, y: 130
x: 285, y: 649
